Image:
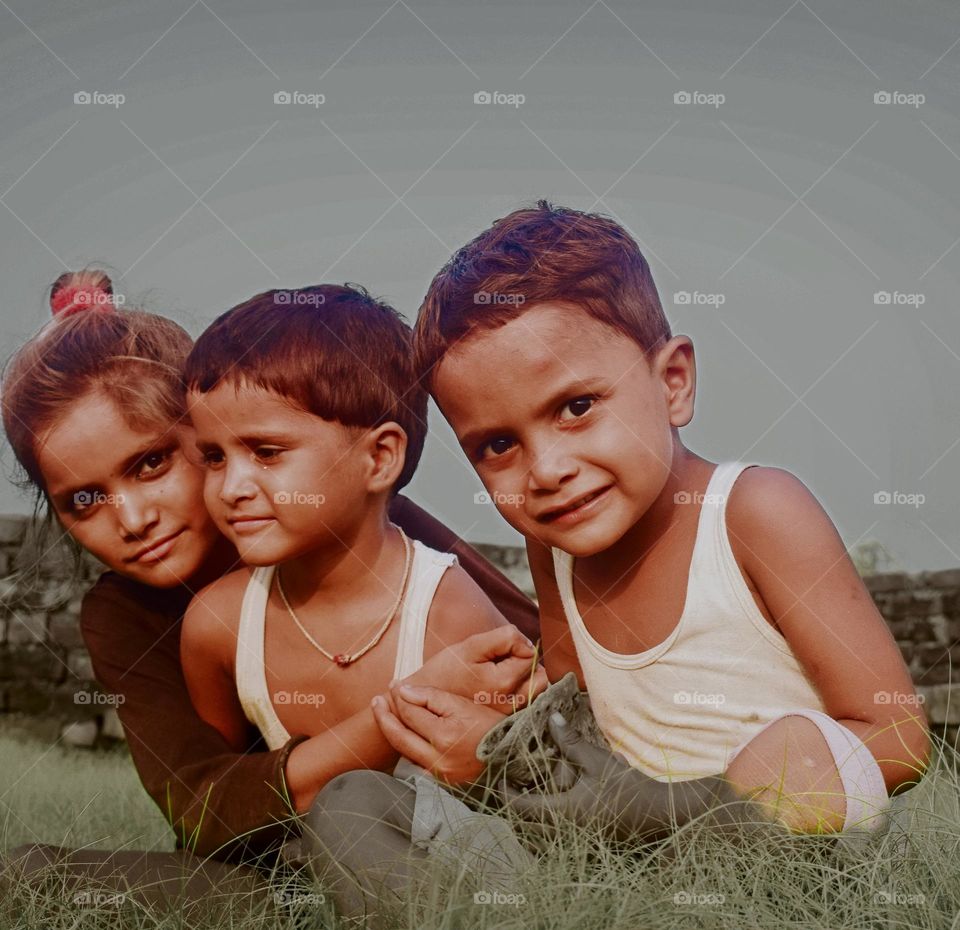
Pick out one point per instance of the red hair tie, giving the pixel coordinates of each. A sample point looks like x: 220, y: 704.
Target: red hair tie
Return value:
x: 74, y: 298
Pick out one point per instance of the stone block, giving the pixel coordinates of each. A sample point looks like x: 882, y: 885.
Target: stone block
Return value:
x: 948, y: 578
x: 888, y: 581
x: 941, y: 703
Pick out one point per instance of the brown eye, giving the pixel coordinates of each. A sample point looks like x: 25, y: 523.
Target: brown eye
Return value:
x: 578, y: 406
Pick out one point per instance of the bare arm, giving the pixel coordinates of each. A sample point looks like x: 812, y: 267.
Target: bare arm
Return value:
x: 799, y: 565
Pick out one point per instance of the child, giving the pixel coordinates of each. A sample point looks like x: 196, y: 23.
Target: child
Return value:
x: 308, y: 420
x: 711, y: 611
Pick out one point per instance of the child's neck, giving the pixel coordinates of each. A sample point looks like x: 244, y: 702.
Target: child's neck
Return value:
x: 356, y: 561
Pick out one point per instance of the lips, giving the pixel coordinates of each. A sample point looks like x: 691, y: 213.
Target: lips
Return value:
x: 158, y: 550
x: 574, y: 507
x: 248, y: 524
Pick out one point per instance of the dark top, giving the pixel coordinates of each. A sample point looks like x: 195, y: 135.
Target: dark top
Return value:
x: 220, y: 802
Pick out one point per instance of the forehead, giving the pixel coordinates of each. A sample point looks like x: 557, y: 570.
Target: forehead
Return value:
x: 527, y: 358
x: 74, y: 452
x: 243, y: 409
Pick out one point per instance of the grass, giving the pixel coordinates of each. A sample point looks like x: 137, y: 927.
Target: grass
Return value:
x: 698, y: 878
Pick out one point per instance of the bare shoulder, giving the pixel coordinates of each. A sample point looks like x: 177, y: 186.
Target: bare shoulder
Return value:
x: 769, y: 509
x: 213, y: 616
x: 459, y: 609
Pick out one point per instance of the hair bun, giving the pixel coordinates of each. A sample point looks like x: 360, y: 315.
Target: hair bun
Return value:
x: 74, y: 291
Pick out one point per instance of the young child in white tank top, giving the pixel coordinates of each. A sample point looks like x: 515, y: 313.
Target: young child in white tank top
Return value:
x: 770, y: 666
x: 308, y: 420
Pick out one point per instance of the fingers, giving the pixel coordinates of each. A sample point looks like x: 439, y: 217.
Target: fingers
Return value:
x: 417, y: 716
x: 502, y: 641
x: 438, y: 702
x: 571, y: 744
x: 529, y: 806
x: 403, y: 740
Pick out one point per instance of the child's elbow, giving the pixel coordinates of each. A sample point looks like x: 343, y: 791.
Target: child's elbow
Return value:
x: 913, y: 759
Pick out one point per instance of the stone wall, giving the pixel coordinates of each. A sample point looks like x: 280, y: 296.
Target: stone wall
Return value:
x: 44, y: 669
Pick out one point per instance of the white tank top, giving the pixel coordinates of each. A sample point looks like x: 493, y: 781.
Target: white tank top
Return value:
x: 682, y: 709
x: 425, y: 574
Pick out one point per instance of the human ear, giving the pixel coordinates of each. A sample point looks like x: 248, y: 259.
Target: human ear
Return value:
x: 676, y: 366
x: 387, y: 447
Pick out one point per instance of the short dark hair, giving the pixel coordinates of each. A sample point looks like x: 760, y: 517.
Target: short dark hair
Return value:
x: 533, y: 256
x: 334, y: 350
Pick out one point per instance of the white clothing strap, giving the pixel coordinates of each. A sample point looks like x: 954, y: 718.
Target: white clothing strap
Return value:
x: 428, y: 568
x: 251, y: 679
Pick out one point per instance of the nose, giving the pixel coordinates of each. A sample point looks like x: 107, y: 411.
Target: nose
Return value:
x: 237, y: 482
x: 136, y: 514
x: 551, y: 466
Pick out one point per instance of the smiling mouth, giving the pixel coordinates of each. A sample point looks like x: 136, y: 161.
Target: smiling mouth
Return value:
x: 249, y: 524
x: 158, y: 550
x: 574, y: 507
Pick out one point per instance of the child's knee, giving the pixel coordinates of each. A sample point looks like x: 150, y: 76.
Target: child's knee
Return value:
x: 353, y: 799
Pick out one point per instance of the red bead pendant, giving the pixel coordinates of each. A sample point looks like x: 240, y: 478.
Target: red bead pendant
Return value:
x: 341, y: 660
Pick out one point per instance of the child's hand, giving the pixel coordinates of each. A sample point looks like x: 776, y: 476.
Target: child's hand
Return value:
x: 435, y: 729
x: 497, y: 668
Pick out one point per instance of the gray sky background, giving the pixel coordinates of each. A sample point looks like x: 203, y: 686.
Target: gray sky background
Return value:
x: 797, y: 198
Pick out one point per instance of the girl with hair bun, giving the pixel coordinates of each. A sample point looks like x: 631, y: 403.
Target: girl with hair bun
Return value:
x: 94, y: 409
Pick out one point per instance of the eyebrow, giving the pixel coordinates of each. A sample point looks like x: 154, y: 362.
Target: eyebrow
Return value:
x: 126, y: 466
x: 253, y: 439
x: 473, y: 438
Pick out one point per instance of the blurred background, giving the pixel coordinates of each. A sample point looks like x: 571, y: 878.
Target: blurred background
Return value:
x: 789, y: 169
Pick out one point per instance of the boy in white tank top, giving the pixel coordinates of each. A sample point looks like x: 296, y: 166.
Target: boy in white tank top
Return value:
x: 308, y: 419
x: 729, y: 647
